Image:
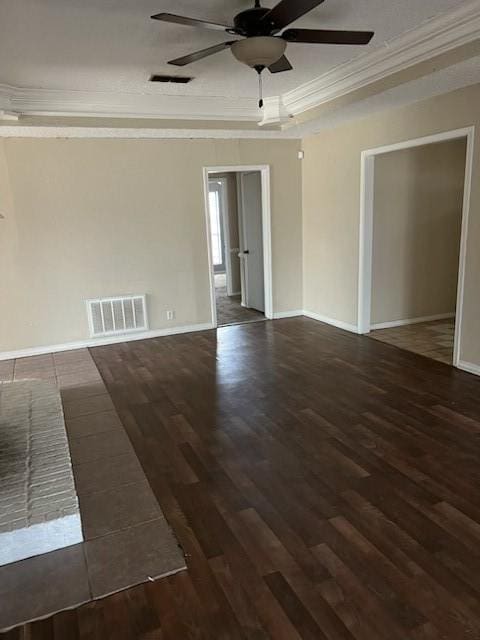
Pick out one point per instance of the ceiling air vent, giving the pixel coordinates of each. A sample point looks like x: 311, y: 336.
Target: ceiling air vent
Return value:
x: 113, y: 316
x: 174, y: 79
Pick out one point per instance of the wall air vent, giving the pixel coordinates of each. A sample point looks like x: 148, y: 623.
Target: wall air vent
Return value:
x: 174, y: 79
x: 114, y: 316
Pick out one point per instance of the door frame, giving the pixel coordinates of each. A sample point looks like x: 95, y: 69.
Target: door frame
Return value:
x: 367, y: 181
x: 266, y: 229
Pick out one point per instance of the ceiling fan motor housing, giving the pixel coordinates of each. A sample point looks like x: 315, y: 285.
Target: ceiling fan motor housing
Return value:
x: 247, y: 23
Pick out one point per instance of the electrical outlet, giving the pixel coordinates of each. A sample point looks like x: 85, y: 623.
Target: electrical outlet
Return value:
x: 170, y: 315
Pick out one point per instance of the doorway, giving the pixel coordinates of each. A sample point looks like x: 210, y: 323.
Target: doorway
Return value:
x: 238, y: 227
x: 413, y: 229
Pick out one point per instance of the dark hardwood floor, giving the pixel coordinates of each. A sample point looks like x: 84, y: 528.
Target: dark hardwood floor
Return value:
x: 323, y: 485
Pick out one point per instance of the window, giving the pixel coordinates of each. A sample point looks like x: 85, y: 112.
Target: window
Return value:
x: 216, y: 224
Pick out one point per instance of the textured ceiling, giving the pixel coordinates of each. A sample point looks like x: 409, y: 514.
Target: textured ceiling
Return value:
x: 112, y: 45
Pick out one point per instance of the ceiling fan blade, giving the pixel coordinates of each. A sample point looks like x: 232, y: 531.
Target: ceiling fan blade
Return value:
x: 286, y: 11
x: 280, y: 65
x: 198, y: 55
x: 190, y: 22
x: 322, y: 36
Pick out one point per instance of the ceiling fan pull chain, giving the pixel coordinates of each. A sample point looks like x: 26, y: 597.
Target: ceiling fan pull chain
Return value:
x: 260, y: 90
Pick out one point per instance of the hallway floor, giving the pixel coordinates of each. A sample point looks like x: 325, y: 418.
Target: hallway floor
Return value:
x: 229, y: 308
x: 431, y: 339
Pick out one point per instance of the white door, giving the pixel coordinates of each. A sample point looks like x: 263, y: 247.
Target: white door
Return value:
x: 252, y: 236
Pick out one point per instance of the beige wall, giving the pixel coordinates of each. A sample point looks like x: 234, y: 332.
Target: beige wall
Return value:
x: 331, y: 197
x: 88, y: 218
x: 418, y: 200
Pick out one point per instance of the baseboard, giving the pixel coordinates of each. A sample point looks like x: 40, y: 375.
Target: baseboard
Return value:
x: 98, y: 342
x: 332, y: 321
x: 278, y: 315
x: 469, y: 367
x: 401, y: 323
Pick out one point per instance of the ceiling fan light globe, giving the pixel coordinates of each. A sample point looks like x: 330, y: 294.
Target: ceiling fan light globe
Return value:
x: 261, y: 51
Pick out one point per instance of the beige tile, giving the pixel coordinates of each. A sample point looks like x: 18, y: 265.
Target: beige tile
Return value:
x: 6, y: 370
x: 98, y: 447
x: 81, y: 366
x: 88, y: 405
x: 93, y: 424
x: 132, y: 556
x: 79, y: 379
x: 110, y: 474
x: 112, y: 510
x: 432, y: 339
x: 70, y: 394
x: 41, y: 586
x: 38, y: 374
x: 35, y: 362
x: 76, y: 355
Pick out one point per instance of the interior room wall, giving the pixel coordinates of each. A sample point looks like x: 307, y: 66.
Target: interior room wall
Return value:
x: 331, y: 205
x: 417, y: 219
x: 89, y: 218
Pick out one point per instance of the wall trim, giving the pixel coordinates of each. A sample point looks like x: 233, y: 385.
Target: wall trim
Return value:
x: 121, y: 104
x: 99, y: 342
x: 442, y: 33
x: 34, y: 131
x: 332, y: 321
x: 469, y: 367
x: 365, y: 250
x: 278, y: 315
x: 406, y: 321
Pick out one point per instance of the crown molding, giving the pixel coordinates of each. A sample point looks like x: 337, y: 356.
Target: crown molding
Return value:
x: 439, y: 35
x: 274, y: 112
x: 36, y: 131
x: 106, y: 104
x: 434, y: 37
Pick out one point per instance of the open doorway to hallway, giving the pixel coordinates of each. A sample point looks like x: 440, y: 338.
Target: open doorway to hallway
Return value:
x: 418, y: 196
x: 237, y: 253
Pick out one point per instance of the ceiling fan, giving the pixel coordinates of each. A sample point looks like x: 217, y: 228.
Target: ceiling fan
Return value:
x: 261, y: 47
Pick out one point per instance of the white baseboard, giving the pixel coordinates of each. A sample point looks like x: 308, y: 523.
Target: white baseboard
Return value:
x: 469, y: 367
x: 401, y: 323
x: 98, y: 342
x: 332, y: 321
x: 278, y: 315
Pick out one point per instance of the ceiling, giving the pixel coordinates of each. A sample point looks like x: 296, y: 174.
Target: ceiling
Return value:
x: 113, y: 46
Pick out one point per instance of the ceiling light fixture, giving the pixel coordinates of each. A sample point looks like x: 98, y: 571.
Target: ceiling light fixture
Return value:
x: 259, y: 53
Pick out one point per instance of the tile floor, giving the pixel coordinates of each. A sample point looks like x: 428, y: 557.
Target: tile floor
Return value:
x: 229, y: 308
x: 431, y: 339
x: 127, y: 539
